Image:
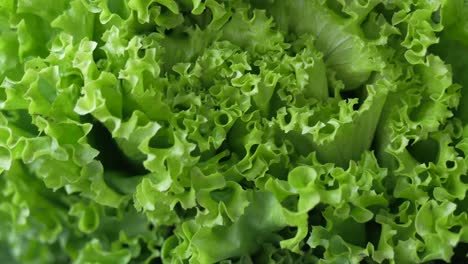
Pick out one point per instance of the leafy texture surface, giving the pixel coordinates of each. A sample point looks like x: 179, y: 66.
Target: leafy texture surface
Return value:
x: 261, y: 131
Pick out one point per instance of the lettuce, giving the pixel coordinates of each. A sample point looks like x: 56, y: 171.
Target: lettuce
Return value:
x: 261, y: 131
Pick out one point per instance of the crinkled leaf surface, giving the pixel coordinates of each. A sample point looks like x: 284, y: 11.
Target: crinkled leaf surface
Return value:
x: 243, y: 131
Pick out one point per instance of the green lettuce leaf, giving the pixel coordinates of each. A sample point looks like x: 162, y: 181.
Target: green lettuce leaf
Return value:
x: 260, y: 131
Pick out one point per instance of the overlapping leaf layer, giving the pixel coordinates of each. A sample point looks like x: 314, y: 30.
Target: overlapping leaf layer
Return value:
x: 262, y: 131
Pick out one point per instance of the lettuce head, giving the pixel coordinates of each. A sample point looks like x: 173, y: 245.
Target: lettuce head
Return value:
x: 240, y: 131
